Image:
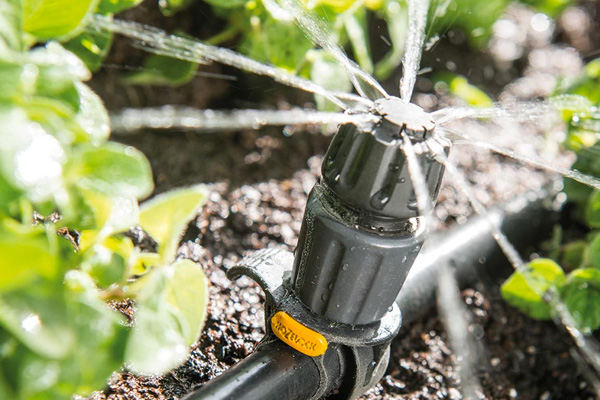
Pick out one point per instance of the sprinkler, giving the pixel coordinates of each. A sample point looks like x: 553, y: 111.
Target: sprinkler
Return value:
x: 331, y: 307
x: 333, y: 300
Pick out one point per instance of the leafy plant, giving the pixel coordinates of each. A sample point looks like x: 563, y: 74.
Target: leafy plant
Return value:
x: 68, y: 197
x: 460, y: 87
x: 268, y: 33
x: 578, y: 100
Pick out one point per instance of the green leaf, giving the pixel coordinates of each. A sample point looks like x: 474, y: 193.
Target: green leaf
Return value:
x: 116, y: 6
x: 113, y: 169
x: 226, y: 4
x: 176, y: 296
x: 37, y: 318
x: 356, y: 28
x: 550, y: 7
x: 573, y: 254
x: 166, y: 216
x: 24, y: 258
x: 587, y: 163
x: 47, y: 19
x: 112, y: 214
x: 475, y: 17
x: 91, y: 48
x: 30, y: 159
x: 279, y: 43
x: 170, y: 7
x: 162, y: 70
x: 327, y: 72
x: 593, y: 254
x: 72, y: 342
x: 10, y: 81
x: 10, y: 27
x: 92, y: 116
x: 525, y: 288
x: 569, y: 104
x: 395, y: 14
x: 101, y: 337
x: 58, y: 68
x: 581, y: 294
x: 104, y: 265
x: 460, y: 87
x: 592, y: 210
x: 9, y: 197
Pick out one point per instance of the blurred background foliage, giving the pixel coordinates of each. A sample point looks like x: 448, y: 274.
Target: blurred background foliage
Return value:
x: 264, y: 31
x: 70, y: 221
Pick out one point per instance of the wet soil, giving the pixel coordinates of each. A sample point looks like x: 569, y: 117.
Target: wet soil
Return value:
x: 521, y: 357
x: 259, y: 182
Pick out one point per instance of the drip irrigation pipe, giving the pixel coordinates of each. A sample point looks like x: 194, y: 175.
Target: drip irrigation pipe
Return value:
x: 471, y: 251
x: 274, y: 371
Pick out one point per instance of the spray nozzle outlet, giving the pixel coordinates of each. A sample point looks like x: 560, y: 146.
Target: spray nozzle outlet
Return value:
x: 405, y: 117
x: 368, y: 171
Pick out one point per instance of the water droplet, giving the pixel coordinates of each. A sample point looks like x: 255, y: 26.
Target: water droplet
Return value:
x: 402, y: 180
x: 288, y: 130
x: 404, y: 259
x: 31, y: 323
x: 352, y: 248
x: 345, y: 267
x: 381, y: 198
x: 482, y: 260
x: 324, y: 296
x: 330, y: 286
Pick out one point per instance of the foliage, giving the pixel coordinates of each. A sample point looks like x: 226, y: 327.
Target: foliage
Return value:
x: 460, y: 87
x: 578, y: 100
x: 550, y: 7
x: 68, y: 196
x: 525, y: 289
x: 267, y: 32
x: 162, y: 70
x: 475, y: 17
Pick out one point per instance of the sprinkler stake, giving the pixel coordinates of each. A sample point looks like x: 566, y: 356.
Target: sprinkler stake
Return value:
x: 360, y: 235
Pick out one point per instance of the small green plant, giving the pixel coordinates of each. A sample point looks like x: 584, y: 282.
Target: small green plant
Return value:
x: 68, y: 197
x: 577, y: 283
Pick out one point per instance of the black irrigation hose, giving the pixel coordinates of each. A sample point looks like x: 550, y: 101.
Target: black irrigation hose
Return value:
x: 274, y: 372
x: 472, y: 253
x: 278, y: 372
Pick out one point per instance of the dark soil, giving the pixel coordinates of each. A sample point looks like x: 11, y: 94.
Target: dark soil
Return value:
x: 521, y: 357
x: 259, y: 183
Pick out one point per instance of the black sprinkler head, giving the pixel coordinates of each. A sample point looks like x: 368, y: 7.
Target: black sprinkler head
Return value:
x: 360, y: 235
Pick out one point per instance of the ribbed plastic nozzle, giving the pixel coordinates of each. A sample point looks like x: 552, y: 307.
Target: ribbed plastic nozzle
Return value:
x: 369, y: 170
x: 359, y: 237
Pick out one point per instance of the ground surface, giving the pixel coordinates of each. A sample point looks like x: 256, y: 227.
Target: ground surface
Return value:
x: 520, y: 357
x: 259, y: 184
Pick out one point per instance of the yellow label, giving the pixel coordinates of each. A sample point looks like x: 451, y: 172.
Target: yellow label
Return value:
x: 298, y: 336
